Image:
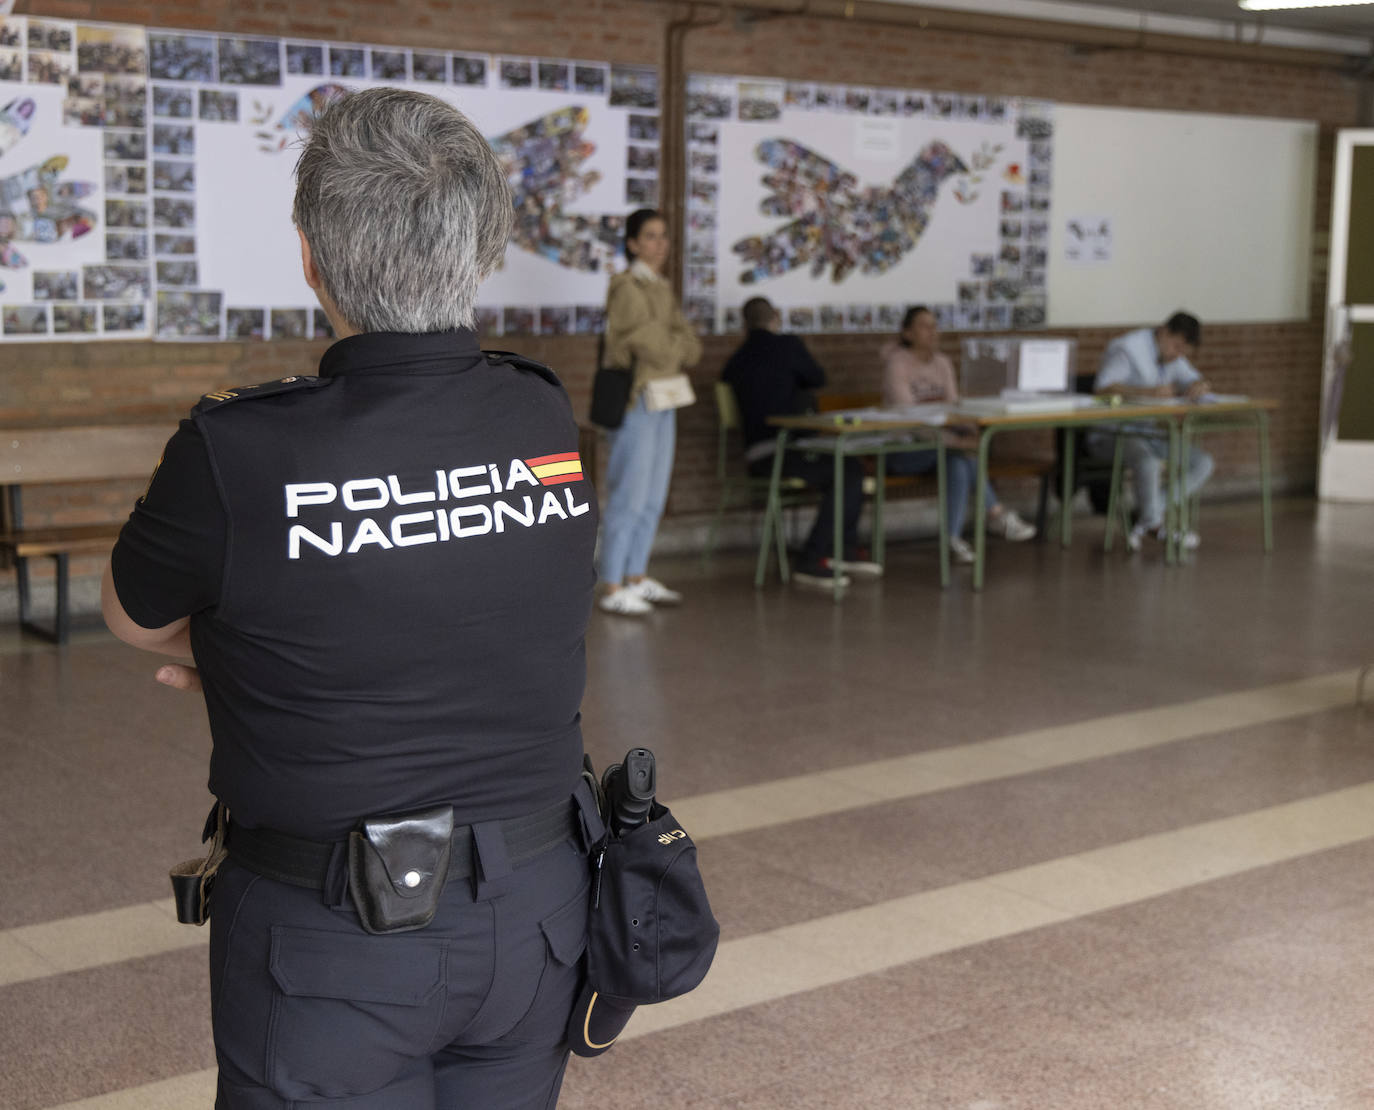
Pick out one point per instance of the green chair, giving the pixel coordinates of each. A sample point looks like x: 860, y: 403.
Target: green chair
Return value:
x: 737, y: 486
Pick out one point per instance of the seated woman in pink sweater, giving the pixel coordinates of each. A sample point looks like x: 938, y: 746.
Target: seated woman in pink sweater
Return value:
x: 916, y: 373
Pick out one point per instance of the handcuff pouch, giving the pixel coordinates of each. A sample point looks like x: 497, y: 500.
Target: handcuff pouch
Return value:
x: 397, y: 867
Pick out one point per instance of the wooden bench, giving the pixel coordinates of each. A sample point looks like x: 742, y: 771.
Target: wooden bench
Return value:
x: 1040, y: 468
x: 29, y: 456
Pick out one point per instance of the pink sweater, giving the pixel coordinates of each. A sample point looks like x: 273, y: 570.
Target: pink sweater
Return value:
x: 910, y: 380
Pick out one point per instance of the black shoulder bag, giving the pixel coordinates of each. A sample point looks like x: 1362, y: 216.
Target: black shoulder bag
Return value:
x: 610, y: 390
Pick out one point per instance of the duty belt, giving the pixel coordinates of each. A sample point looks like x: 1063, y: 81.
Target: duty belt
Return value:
x: 305, y: 863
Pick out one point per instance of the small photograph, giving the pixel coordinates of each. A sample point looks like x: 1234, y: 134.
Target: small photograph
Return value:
x: 801, y: 319
x: 290, y: 323
x: 641, y: 192
x: 164, y: 244
x: 589, y: 79
x: 1037, y: 255
x: 56, y: 285
x: 914, y: 104
x: 50, y: 69
x: 942, y: 105
x: 173, y: 103
x: 733, y: 318
x: 74, y: 319
x: 320, y: 327
x: 944, y: 315
x: 347, y: 61
x: 126, y: 213
x: 832, y: 317
x: 11, y: 65
x: 589, y: 319
x: 885, y: 102
x: 997, y: 317
x: 488, y: 321
x: 701, y: 251
x: 1028, y: 316
x: 50, y: 36
x: 11, y: 32
x: 700, y: 313
x: 760, y: 101
x: 859, y: 317
x: 1007, y: 271
x: 174, y: 177
x: 126, y: 102
x: 890, y: 317
x: 87, y: 87
x: 642, y: 159
x: 828, y: 98
x: 173, y: 213
x: 82, y: 111
x: 188, y: 315
x: 995, y: 109
x: 643, y: 129
x: 702, y: 220
x: 249, y: 61
x: 307, y: 60
x: 707, y: 134
x: 980, y: 265
x: 429, y: 67
x: 124, y: 317
x: 1039, y: 201
x: 702, y: 192
x: 219, y: 107
x: 516, y: 74
x: 123, y: 246
x: 555, y: 76
x: 469, y: 69
x: 1035, y: 279
x: 1037, y: 231
x: 634, y: 87
x: 111, y: 50
x: 800, y: 96
x: 1010, y: 253
x: 178, y: 273
x: 1034, y: 128
x: 1009, y: 229
x: 245, y: 323
x: 857, y: 100
x: 26, y: 319
x: 1004, y: 289
x: 969, y: 292
x: 968, y: 317
x: 389, y: 65
x: 174, y: 138
x: 1039, y: 177
x: 969, y: 107
x: 1042, y: 152
x: 1012, y: 200
x: 704, y: 161
x: 115, y: 283
x: 520, y: 321
x: 556, y: 320
x: 181, y: 57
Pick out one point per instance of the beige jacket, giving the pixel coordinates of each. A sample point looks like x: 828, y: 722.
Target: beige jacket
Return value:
x: 645, y: 327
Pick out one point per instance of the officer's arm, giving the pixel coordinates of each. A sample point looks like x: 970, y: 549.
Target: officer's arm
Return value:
x: 170, y: 639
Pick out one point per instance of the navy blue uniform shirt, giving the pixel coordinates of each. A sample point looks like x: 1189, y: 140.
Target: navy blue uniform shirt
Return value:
x: 388, y: 570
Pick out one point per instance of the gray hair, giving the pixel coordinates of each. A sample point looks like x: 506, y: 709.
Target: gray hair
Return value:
x: 405, y: 207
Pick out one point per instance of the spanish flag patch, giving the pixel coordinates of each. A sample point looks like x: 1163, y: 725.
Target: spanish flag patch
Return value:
x: 553, y: 470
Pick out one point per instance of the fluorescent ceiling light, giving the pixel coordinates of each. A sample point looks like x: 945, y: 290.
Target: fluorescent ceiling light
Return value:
x: 1279, y: 5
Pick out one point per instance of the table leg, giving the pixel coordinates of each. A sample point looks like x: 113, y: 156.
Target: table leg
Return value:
x: 1171, y: 492
x: 771, y: 517
x: 1266, y: 507
x: 980, y: 530
x: 837, y: 551
x: 879, y: 500
x: 941, y: 485
x: 1066, y: 493
x: 1114, y: 494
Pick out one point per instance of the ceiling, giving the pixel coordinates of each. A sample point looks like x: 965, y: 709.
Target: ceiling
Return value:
x: 1349, y: 20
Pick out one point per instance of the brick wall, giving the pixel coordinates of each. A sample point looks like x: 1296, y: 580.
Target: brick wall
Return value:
x: 59, y: 383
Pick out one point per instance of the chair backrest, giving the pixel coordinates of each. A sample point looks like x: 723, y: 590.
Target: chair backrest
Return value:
x: 727, y: 421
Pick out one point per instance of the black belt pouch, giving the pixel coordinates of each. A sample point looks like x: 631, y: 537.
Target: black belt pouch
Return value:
x: 397, y: 867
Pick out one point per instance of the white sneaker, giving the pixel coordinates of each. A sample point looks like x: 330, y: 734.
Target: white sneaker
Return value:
x: 962, y: 551
x: 820, y: 578
x: 1013, y: 527
x: 1189, y: 540
x: 1136, y: 537
x: 652, y: 590
x: 859, y: 568
x: 624, y: 602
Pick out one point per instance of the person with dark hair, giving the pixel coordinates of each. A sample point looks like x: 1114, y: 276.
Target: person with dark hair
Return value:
x: 645, y: 331
x: 772, y: 375
x: 384, y: 574
x: 915, y: 372
x: 1153, y: 363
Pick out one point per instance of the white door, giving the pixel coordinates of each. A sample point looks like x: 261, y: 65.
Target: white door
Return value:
x: 1347, y: 417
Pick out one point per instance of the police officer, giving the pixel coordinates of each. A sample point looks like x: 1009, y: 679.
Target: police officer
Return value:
x: 384, y: 574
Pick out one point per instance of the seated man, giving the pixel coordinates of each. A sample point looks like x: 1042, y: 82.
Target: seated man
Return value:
x: 1153, y: 362
x: 916, y: 373
x: 772, y: 375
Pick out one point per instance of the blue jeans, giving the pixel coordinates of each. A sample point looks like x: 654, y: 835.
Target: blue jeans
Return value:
x: 960, y: 472
x: 1146, y: 455
x: 637, y: 476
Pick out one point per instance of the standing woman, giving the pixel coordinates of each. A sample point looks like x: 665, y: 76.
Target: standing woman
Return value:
x: 645, y: 329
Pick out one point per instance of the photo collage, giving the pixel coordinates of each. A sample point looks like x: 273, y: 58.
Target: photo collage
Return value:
x: 159, y: 97
x: 837, y: 227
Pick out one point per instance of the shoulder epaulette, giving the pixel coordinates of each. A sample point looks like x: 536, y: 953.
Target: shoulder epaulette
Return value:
x: 264, y: 389
x: 520, y: 362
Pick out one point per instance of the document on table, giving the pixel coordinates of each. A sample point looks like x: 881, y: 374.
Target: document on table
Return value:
x: 932, y: 415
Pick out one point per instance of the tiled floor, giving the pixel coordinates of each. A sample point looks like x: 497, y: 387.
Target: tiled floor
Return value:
x: 1100, y: 837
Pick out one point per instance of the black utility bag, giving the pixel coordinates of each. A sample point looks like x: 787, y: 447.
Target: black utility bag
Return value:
x: 651, y: 935
x: 610, y: 391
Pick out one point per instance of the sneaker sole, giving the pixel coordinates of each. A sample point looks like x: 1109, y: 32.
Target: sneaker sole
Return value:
x: 816, y: 582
